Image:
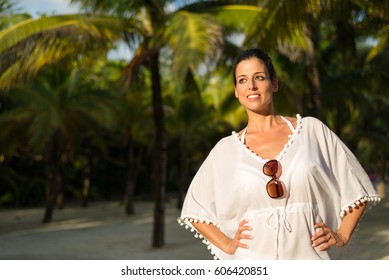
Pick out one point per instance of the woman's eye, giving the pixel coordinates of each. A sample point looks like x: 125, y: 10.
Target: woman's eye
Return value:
x: 259, y: 78
x: 241, y: 81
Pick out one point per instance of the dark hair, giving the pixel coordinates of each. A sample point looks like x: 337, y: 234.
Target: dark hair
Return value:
x: 259, y: 54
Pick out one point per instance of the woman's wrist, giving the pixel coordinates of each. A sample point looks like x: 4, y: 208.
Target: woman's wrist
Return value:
x: 341, y: 239
x: 231, y: 248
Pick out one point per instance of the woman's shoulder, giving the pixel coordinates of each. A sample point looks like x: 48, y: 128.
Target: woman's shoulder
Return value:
x: 309, y: 122
x: 313, y: 121
x: 223, y: 149
x: 226, y: 141
x: 315, y: 126
x: 294, y: 121
x: 298, y: 119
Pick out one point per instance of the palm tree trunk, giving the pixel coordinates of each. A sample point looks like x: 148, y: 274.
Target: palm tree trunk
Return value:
x: 52, y: 190
x: 129, y: 208
x: 183, y: 171
x: 133, y: 166
x: 53, y: 176
x: 313, y: 73
x: 314, y: 84
x: 86, y: 181
x: 159, y: 167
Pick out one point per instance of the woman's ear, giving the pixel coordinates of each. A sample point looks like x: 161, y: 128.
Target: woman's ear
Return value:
x: 275, y: 85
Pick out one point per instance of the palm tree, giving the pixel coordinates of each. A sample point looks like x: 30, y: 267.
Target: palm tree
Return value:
x: 136, y: 130
x: 48, y: 114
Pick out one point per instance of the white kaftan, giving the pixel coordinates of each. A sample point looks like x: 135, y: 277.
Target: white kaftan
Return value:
x: 323, y: 180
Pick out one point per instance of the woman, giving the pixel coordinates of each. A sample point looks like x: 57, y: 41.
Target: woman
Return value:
x: 282, y: 188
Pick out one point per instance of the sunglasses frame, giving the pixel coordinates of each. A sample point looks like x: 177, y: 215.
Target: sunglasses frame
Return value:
x: 275, y: 187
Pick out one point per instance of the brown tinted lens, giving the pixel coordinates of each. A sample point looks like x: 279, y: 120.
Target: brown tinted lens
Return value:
x: 270, y: 168
x: 274, y: 189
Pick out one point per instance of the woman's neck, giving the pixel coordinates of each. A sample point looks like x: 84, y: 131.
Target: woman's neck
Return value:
x: 263, y: 122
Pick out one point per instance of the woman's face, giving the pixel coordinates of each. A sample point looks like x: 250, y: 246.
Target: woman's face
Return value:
x: 253, y: 88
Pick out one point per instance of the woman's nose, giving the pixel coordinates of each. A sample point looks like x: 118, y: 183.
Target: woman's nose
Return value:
x: 252, y: 85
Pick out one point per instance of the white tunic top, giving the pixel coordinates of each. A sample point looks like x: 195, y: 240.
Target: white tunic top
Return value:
x: 323, y: 180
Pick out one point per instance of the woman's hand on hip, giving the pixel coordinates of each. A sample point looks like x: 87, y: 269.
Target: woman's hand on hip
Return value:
x: 235, y: 243
x: 325, y: 238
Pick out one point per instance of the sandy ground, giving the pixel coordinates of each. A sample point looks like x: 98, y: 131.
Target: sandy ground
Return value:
x: 103, y: 232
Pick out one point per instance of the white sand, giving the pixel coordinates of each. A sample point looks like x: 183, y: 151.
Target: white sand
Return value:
x: 103, y: 232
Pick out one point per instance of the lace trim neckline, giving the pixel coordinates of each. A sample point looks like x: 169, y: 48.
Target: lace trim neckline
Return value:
x: 282, y: 153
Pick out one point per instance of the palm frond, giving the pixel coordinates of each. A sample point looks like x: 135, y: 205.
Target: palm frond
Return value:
x: 236, y: 18
x: 9, y: 20
x: 283, y: 23
x: 382, y: 45
x: 26, y: 47
x: 192, y: 37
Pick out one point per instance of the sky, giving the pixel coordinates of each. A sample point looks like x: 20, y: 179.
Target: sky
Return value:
x: 50, y: 7
x: 37, y: 7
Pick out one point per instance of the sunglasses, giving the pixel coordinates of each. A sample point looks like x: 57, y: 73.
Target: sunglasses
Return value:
x: 274, y: 187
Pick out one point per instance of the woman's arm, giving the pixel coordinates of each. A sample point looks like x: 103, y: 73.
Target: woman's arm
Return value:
x: 325, y: 238
x: 220, y: 240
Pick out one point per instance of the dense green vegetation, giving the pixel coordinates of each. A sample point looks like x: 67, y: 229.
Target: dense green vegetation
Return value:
x: 76, y: 127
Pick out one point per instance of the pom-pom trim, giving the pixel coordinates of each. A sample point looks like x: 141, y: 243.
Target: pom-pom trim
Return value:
x: 291, y: 137
x: 370, y: 200
x: 187, y: 223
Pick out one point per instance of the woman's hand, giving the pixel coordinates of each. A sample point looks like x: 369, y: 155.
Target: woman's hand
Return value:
x: 325, y: 237
x: 235, y: 243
